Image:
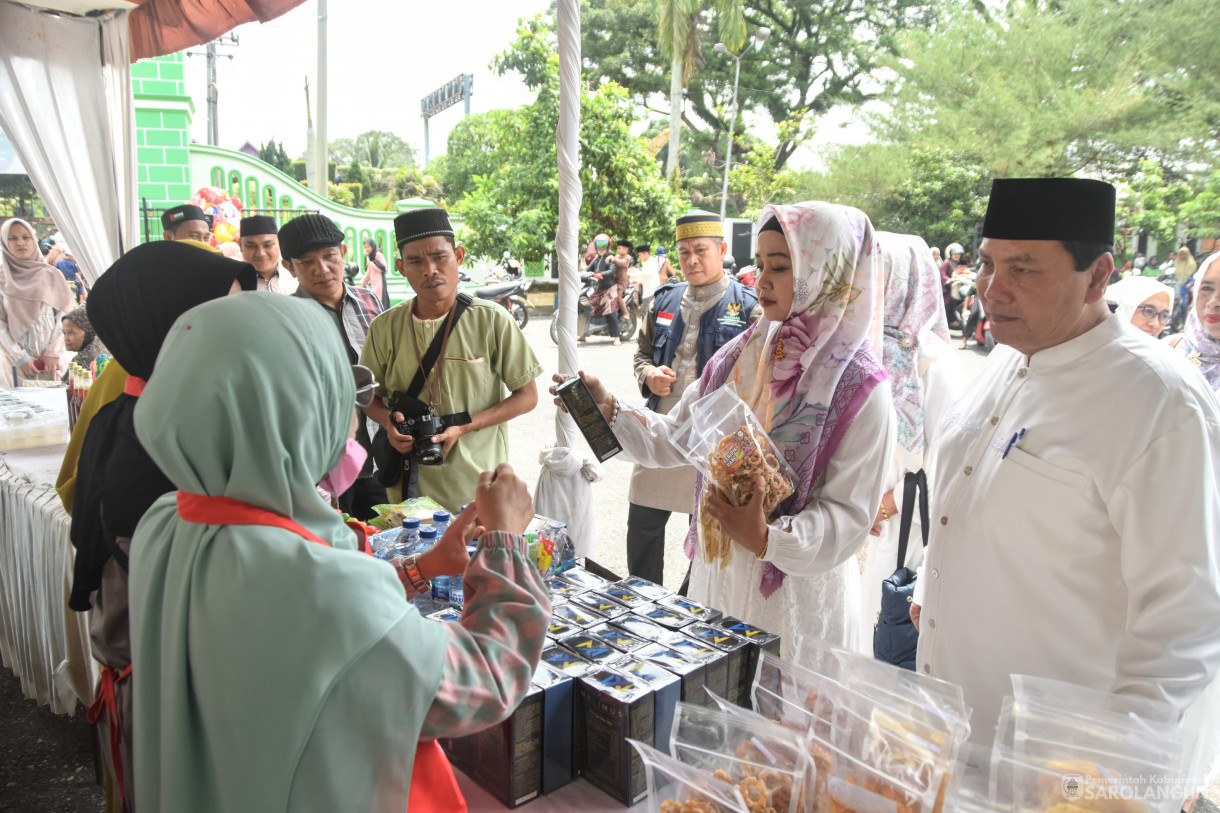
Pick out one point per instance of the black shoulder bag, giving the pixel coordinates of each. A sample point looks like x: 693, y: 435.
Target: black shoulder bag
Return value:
x: 392, y: 466
x: 895, y: 638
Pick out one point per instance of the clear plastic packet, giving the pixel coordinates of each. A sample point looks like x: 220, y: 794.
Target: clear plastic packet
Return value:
x: 1079, y: 769
x: 674, y: 787
x: 766, y: 762
x: 863, y: 673
x: 725, y: 441
x: 391, y: 516
x: 550, y: 548
x: 382, y: 543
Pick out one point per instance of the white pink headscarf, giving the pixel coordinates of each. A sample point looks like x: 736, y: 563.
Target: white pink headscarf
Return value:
x: 914, y: 309
x: 28, y: 283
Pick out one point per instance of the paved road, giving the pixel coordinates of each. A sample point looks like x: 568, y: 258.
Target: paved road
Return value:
x: 529, y: 433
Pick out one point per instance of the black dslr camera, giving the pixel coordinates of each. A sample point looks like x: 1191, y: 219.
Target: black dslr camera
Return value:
x: 422, y: 429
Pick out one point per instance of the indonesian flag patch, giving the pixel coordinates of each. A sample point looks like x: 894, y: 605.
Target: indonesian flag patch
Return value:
x: 664, y: 318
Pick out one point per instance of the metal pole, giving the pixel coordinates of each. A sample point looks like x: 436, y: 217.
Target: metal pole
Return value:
x: 426, y: 152
x: 321, y: 152
x: 467, y: 89
x: 213, y: 124
x: 728, y: 159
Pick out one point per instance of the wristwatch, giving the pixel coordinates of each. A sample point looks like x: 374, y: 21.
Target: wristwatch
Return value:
x: 408, y: 570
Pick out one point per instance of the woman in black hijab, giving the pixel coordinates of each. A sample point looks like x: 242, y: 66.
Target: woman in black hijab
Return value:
x: 132, y: 307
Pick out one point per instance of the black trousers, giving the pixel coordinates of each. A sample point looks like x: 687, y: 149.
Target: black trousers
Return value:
x: 358, y: 501
x: 612, y: 319
x: 646, y: 542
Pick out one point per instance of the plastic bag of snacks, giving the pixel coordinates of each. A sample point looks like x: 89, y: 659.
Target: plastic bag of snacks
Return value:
x: 912, y: 747
x: 745, y: 744
x: 1080, y: 772
x: 391, y: 516
x: 867, y: 675
x: 725, y: 441
x: 674, y: 787
x: 550, y: 548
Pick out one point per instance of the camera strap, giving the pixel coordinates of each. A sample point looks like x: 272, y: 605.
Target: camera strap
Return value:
x: 435, y: 354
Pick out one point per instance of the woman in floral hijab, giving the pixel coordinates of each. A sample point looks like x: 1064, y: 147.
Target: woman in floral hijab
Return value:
x: 807, y: 371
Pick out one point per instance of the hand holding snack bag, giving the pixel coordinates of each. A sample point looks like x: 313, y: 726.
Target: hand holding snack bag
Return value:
x: 726, y: 442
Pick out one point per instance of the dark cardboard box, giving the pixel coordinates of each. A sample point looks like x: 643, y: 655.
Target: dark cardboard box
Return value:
x: 697, y: 611
x: 623, y: 595
x: 598, y: 604
x: 760, y: 640
x: 649, y: 590
x: 583, y: 579
x: 591, y: 648
x: 616, y: 706
x: 565, y: 661
x: 560, y: 629
x: 558, y: 708
x: 558, y: 587
x: 740, y: 675
x: 668, y: 689
x: 575, y: 616
x: 665, y: 616
x: 692, y: 674
x: 717, y: 663
x: 643, y: 628
x: 506, y: 759
x: 618, y: 638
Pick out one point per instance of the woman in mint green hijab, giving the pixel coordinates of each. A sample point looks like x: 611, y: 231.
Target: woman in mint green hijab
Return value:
x: 280, y: 668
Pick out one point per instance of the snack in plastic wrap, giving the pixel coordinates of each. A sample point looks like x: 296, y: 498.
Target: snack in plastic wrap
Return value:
x: 391, y: 516
x: 725, y: 441
x: 674, y: 787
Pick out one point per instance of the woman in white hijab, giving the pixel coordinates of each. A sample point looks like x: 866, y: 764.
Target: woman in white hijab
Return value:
x: 1148, y: 304
x: 33, y: 297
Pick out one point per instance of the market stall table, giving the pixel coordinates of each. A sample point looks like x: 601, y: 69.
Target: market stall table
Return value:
x: 43, y: 642
x: 578, y: 795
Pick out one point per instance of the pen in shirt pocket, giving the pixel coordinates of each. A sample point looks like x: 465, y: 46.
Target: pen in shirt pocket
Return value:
x: 1016, y: 436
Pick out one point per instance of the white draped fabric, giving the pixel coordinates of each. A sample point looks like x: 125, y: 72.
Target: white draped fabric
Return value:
x: 565, y: 490
x: 66, y: 105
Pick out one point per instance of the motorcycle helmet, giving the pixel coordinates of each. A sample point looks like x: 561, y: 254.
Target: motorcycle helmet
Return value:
x: 954, y: 248
x: 601, y: 241
x: 660, y: 251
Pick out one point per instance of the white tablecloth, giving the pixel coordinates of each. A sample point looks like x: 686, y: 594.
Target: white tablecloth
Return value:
x: 43, y: 642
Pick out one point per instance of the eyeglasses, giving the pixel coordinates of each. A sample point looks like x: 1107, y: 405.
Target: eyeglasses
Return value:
x: 1151, y: 313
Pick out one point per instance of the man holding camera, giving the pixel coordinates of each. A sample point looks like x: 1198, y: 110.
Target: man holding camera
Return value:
x: 445, y: 362
x: 312, y: 249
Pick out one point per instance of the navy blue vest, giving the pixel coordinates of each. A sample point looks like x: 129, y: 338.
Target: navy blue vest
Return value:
x: 717, y: 326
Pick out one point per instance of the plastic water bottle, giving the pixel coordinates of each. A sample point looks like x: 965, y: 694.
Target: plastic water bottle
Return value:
x: 427, y: 538
x: 440, y: 521
x: 440, y: 585
x: 457, y: 594
x: 408, y: 539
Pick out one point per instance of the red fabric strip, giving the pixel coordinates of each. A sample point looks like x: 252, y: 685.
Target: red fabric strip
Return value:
x: 228, y: 511
x: 105, y: 703
x: 134, y: 386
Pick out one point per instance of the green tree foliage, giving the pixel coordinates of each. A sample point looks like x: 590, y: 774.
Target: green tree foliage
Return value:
x: 18, y: 198
x: 825, y: 53
x: 273, y: 153
x: 515, y: 201
x: 478, y: 145
x: 374, y: 148
x: 757, y: 182
x: 1202, y: 212
x: 1152, y: 205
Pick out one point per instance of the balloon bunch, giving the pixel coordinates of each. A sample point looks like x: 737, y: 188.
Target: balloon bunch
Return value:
x: 225, y: 210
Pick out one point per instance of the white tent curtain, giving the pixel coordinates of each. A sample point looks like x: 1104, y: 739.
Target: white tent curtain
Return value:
x: 66, y: 105
x: 565, y: 490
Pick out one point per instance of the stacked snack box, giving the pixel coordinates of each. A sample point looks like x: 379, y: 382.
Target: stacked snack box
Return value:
x: 620, y: 655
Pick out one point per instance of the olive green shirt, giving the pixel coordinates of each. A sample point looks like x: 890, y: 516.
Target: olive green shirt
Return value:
x: 487, y: 357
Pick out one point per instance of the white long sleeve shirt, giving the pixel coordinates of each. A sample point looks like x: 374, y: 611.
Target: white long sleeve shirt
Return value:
x: 43, y: 338
x: 816, y: 548
x: 1087, y: 550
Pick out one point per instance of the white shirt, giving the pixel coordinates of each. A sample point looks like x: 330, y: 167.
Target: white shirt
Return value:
x: 281, y: 282
x: 650, y: 276
x: 816, y: 548
x: 1088, y: 554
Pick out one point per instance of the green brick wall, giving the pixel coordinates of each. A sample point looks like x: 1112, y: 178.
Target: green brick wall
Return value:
x: 163, y: 122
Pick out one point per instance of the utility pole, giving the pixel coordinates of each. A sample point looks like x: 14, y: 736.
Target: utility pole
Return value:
x: 310, y: 157
x: 321, y: 151
x: 211, y: 54
x: 444, y: 97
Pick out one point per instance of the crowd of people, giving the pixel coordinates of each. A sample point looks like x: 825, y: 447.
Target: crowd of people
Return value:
x: 255, y: 657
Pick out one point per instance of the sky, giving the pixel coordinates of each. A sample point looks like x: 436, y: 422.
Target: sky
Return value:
x: 384, y: 56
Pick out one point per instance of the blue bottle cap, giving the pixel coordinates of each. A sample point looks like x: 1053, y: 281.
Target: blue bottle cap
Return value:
x: 410, y: 522
x: 427, y: 533
x: 440, y: 516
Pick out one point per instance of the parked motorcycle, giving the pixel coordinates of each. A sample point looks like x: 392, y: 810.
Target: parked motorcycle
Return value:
x: 982, y: 330
x: 589, y: 325
x: 512, y: 295
x: 748, y: 275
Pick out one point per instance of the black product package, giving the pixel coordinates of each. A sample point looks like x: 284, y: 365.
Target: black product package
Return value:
x: 583, y: 579
x: 561, y: 587
x: 667, y: 617
x: 580, y: 617
x: 558, y: 708
x: 643, y: 628
x: 616, y: 706
x: 717, y: 663
x: 692, y: 673
x: 649, y: 590
x: 559, y: 629
x: 740, y: 675
x: 668, y: 689
x: 565, y: 661
x: 617, y: 638
x: 694, y: 609
x: 623, y: 595
x: 591, y: 647
x: 505, y: 759
x: 595, y: 603
x: 589, y: 419
x: 760, y: 641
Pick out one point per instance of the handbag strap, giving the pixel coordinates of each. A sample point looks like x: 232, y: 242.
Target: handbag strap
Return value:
x: 914, y: 486
x: 434, y: 349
